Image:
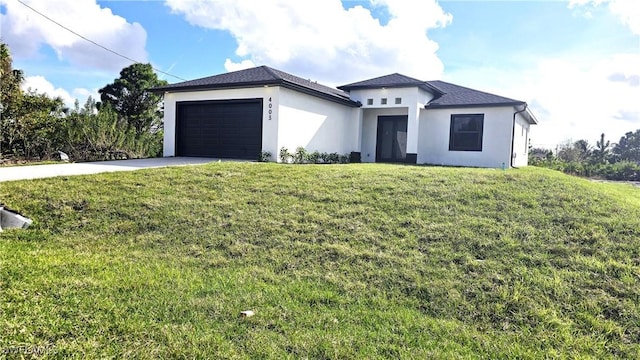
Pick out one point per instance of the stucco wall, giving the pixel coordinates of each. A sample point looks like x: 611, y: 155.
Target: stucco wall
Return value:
x: 269, y: 96
x: 315, y: 124
x: 409, y: 95
x: 433, y: 141
x: 413, y: 100
x: 521, y: 142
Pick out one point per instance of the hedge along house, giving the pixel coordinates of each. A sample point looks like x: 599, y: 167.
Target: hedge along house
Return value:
x: 393, y: 118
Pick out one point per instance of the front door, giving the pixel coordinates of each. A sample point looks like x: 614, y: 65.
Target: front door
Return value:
x: 391, y: 145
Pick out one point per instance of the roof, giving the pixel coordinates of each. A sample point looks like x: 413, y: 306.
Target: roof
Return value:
x: 446, y: 95
x: 456, y: 96
x: 260, y: 76
x: 390, y: 81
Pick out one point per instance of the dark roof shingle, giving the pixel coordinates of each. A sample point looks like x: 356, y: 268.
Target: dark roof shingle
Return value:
x: 390, y: 81
x: 445, y: 94
x: 259, y: 76
x: 454, y: 95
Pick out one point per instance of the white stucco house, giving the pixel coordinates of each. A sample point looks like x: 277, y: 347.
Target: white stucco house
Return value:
x: 392, y: 118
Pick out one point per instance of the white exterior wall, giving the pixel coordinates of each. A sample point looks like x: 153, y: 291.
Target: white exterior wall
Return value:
x: 269, y: 124
x: 413, y: 100
x: 315, y: 124
x: 521, y: 142
x: 435, y: 125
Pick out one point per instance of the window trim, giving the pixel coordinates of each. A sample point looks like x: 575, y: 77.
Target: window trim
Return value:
x: 452, y: 132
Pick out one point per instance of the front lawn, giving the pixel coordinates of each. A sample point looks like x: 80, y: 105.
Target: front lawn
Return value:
x: 337, y: 261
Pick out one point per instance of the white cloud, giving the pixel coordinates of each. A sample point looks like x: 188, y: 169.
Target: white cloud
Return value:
x: 41, y: 85
x: 628, y: 11
x: 572, y: 100
x: 244, y: 64
x: 322, y: 39
x: 25, y: 32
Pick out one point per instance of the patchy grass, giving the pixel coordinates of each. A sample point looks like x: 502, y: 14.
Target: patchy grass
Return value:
x: 342, y: 261
x: 13, y: 162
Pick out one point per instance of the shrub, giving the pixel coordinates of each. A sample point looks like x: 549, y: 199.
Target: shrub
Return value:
x: 313, y: 158
x: 300, y: 156
x: 265, y: 156
x: 285, y: 157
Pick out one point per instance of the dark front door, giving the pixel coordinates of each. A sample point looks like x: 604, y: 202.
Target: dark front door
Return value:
x: 391, y: 145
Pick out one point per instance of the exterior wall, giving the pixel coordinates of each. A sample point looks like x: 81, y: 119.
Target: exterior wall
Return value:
x: 413, y: 99
x: 315, y: 124
x: 270, y: 98
x: 521, y: 142
x: 435, y: 126
x: 292, y: 119
x: 409, y: 95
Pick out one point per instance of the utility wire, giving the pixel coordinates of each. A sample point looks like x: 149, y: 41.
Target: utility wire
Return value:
x: 95, y: 43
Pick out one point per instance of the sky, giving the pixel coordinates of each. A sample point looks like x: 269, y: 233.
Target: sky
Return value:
x: 575, y: 62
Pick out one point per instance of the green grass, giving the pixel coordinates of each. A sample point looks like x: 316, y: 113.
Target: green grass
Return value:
x: 340, y: 261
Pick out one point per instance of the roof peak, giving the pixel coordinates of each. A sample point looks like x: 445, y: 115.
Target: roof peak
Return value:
x: 390, y: 80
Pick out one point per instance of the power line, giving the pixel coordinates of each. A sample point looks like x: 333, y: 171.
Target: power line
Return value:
x: 95, y: 43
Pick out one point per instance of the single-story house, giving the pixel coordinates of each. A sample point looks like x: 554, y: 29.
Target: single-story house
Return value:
x: 392, y: 118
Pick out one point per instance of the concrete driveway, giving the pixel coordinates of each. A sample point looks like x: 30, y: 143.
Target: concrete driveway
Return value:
x: 64, y: 169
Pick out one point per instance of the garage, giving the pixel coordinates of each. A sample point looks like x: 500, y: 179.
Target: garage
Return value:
x: 229, y: 129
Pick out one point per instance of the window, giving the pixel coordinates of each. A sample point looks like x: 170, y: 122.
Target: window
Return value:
x: 369, y: 101
x: 466, y: 132
x: 398, y: 101
x: 383, y: 101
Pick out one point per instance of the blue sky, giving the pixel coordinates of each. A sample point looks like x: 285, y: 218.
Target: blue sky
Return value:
x: 576, y: 62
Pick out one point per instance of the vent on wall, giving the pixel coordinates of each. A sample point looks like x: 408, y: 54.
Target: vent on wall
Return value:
x: 398, y: 100
x: 383, y: 101
x: 369, y: 101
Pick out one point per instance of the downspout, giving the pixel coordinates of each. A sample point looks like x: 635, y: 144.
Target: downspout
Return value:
x: 513, y: 133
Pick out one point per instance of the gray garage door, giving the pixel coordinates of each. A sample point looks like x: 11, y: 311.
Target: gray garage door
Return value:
x: 223, y: 129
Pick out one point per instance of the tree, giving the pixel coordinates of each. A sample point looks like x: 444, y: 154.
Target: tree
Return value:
x: 36, y: 128
x: 628, y: 148
x: 129, y: 97
x: 601, y: 153
x: 10, y: 92
x: 538, y: 155
x: 102, y: 135
x: 574, y: 152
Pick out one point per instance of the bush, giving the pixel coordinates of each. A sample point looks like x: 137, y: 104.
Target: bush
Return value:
x: 285, y: 157
x: 621, y: 171
x: 300, y: 156
x: 313, y: 158
x: 265, y: 156
x: 103, y: 136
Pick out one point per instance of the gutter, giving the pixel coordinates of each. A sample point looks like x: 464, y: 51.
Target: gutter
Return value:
x: 513, y: 132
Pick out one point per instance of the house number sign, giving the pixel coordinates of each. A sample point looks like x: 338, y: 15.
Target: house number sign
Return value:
x: 270, y: 108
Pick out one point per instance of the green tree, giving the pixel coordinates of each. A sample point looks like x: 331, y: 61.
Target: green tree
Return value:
x: 577, y: 151
x: 36, y: 128
x: 129, y: 97
x: 102, y: 135
x: 628, y: 148
x: 602, y: 152
x: 10, y: 93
